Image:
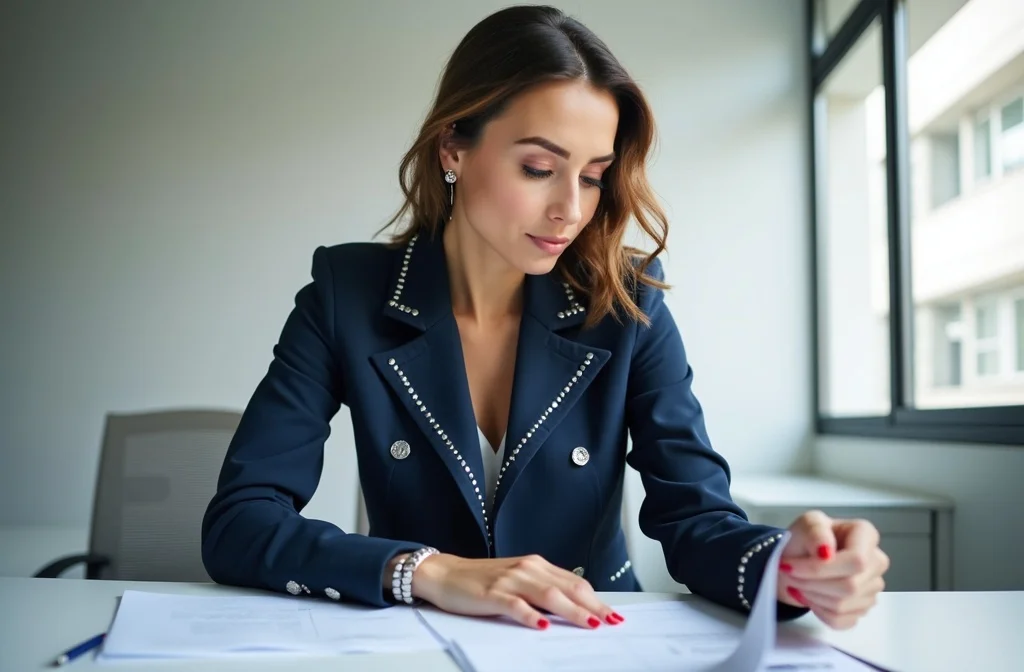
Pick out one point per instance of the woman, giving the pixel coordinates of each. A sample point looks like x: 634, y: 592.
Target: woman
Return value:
x: 494, y: 359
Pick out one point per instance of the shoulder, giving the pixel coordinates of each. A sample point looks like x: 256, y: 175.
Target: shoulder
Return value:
x: 352, y: 274
x: 655, y: 269
x: 354, y: 257
x: 646, y: 283
x: 345, y: 263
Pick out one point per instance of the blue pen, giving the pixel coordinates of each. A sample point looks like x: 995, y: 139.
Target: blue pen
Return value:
x: 76, y: 651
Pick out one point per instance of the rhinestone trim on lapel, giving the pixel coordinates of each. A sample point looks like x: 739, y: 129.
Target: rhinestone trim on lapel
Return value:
x: 511, y: 457
x: 444, y: 437
x: 574, y: 305
x: 395, y: 301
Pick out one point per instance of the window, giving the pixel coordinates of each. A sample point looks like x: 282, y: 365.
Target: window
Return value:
x: 1011, y: 141
x: 982, y: 148
x: 945, y: 167
x: 830, y: 15
x: 852, y: 244
x: 986, y: 340
x: 947, y: 363
x: 919, y: 324
x: 1019, y: 311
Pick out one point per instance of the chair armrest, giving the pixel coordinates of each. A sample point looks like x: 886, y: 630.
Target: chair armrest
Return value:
x: 93, y: 565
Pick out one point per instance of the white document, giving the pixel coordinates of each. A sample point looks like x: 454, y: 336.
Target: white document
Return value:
x: 156, y: 625
x: 670, y: 636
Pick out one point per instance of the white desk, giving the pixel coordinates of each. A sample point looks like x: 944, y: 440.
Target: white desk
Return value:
x: 935, y: 632
x: 908, y: 632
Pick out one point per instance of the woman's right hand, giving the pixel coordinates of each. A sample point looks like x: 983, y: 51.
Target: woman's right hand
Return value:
x: 518, y: 588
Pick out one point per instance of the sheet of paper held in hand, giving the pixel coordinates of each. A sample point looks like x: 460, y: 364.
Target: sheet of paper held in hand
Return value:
x: 670, y: 636
x: 155, y: 625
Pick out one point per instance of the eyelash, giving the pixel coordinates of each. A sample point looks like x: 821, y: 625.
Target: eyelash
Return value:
x: 535, y: 174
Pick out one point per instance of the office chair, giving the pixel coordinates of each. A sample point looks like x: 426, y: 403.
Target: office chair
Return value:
x: 157, y: 474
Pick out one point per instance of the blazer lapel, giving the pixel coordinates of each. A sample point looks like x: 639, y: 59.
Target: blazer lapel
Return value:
x: 428, y: 374
x: 551, y: 374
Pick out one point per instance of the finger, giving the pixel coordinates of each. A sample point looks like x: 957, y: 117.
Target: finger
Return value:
x: 786, y: 595
x: 839, y: 605
x: 863, y: 584
x: 856, y: 535
x: 814, y: 536
x: 846, y: 563
x: 838, y: 621
x: 519, y: 610
x: 551, y: 598
x: 531, y: 579
x: 582, y: 593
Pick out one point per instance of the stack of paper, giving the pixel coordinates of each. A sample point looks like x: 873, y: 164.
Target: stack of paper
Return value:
x: 655, y: 636
x: 670, y: 636
x: 154, y: 625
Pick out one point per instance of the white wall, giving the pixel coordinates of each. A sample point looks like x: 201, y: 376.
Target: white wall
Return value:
x: 168, y: 168
x: 982, y: 480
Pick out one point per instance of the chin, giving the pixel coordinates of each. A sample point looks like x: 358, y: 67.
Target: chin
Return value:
x: 538, y: 266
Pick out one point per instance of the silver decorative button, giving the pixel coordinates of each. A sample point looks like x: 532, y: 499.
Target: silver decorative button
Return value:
x: 578, y: 571
x: 580, y: 456
x: 293, y: 588
x: 332, y: 593
x: 400, y: 450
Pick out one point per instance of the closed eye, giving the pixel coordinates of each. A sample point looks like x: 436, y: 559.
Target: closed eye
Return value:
x: 536, y: 174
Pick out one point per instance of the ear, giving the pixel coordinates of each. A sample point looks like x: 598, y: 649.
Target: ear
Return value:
x: 449, y: 152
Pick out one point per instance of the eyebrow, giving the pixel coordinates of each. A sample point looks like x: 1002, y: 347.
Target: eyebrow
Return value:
x: 555, y: 149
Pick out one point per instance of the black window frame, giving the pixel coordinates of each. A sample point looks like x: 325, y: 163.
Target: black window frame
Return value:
x: 1003, y: 425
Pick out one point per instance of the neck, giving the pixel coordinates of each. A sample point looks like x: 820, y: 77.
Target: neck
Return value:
x: 484, y: 287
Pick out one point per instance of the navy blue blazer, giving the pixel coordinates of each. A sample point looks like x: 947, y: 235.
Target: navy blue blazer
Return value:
x: 374, y: 330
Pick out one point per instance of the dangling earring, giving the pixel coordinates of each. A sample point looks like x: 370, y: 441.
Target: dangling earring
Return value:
x: 450, y: 177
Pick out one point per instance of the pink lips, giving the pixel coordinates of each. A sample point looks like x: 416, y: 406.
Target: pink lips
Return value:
x: 549, y: 244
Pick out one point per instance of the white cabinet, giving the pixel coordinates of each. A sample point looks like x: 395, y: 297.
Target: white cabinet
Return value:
x: 916, y: 529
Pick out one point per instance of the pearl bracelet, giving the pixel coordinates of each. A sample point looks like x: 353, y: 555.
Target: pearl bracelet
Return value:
x: 406, y: 569
x: 751, y: 552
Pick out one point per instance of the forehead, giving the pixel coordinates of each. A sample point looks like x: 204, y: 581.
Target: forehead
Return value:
x: 574, y: 115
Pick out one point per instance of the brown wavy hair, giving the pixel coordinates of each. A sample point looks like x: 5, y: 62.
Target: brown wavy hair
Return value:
x: 504, y: 55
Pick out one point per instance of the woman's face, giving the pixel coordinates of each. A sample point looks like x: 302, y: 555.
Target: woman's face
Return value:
x: 533, y: 181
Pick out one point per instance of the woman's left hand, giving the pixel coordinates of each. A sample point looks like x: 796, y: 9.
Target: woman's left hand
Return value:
x: 835, y: 567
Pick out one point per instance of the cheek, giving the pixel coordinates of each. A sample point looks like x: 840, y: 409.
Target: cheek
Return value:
x: 590, y: 198
x: 500, y: 202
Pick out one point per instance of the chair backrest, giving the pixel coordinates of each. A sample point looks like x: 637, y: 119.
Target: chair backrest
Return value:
x: 157, y: 474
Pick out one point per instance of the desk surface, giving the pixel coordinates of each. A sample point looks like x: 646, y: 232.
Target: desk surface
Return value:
x: 908, y: 632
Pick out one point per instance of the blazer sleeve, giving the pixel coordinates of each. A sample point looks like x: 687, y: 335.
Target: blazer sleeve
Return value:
x: 687, y: 507
x: 252, y: 533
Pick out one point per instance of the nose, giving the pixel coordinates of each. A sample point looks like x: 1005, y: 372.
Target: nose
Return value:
x: 565, y: 206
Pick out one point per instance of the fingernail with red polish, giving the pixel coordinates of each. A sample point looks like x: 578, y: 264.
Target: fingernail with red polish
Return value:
x: 593, y: 622
x: 543, y: 624
x: 824, y: 552
x: 614, y: 619
x: 785, y: 567
x: 618, y: 616
x: 796, y: 595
